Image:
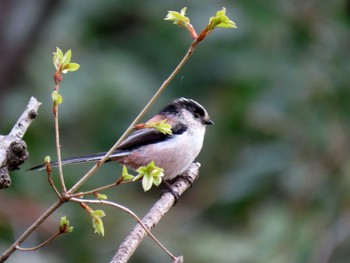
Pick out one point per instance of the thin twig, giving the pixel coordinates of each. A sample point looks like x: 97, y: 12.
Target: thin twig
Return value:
x: 58, y: 149
x: 102, y: 188
x: 49, y: 178
x: 99, y: 189
x: 58, y: 79
x: 57, y: 134
x: 40, y: 245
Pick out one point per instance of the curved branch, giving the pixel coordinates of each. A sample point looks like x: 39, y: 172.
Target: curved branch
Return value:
x: 156, y: 213
x: 47, y: 241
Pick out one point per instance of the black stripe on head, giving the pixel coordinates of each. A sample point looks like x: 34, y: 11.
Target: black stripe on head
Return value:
x: 171, y: 108
x: 192, y: 106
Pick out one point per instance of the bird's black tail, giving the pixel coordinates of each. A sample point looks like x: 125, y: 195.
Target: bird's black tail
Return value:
x: 82, y: 159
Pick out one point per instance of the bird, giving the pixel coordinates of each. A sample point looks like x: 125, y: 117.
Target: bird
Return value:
x: 173, y: 152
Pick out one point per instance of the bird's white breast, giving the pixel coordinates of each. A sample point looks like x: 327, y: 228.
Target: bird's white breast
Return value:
x: 175, y: 154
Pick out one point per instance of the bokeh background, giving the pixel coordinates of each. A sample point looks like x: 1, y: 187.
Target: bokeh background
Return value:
x: 275, y: 175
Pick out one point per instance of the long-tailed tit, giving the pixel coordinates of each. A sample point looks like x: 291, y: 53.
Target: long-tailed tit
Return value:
x: 174, y: 153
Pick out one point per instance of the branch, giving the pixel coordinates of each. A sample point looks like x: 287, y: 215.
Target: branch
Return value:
x: 47, y: 241
x: 159, y: 209
x: 13, y: 150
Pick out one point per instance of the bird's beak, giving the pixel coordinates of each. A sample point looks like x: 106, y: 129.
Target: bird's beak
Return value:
x: 208, y: 122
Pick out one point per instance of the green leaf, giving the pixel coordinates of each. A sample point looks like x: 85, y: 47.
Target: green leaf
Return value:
x: 67, y: 57
x: 125, y: 174
x: 62, y: 62
x: 101, y: 196
x: 59, y: 53
x: 64, y: 225
x: 128, y: 177
x: 73, y: 67
x: 151, y: 175
x: 220, y: 20
x: 142, y: 170
x: 157, y: 172
x: 97, y: 224
x: 157, y: 181
x: 47, y: 159
x: 63, y: 221
x: 178, y: 18
x: 137, y: 177
x: 56, y: 97
x: 124, y: 171
x: 147, y: 182
x: 70, y: 67
x: 98, y: 213
x: 161, y: 126
x: 57, y: 58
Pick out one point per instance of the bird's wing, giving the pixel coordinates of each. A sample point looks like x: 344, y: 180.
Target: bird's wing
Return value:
x: 149, y: 135
x: 143, y: 137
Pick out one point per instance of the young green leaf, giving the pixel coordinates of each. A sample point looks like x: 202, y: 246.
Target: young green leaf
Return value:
x: 62, y: 61
x: 220, y: 20
x: 161, y: 126
x: 101, y: 196
x: 67, y: 57
x: 98, y: 213
x: 178, y: 18
x: 47, y: 159
x: 147, y: 182
x: 125, y: 174
x: 97, y: 222
x: 63, y: 221
x: 157, y: 174
x: 57, y: 98
x: 150, y: 174
x: 64, y: 225
x: 70, y: 67
x: 57, y: 58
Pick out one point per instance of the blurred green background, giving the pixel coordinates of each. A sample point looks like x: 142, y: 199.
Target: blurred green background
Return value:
x: 275, y: 175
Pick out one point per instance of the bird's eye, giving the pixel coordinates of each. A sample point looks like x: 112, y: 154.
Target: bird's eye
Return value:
x: 196, y: 115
